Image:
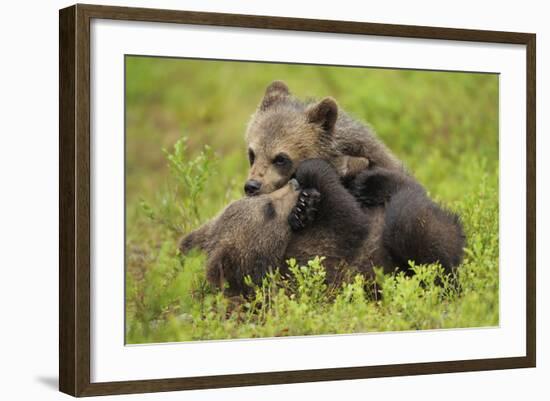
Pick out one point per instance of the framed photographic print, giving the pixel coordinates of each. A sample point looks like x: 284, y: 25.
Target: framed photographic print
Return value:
x: 250, y: 200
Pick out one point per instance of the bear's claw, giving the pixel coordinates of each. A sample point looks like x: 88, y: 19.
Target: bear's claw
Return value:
x: 305, y: 210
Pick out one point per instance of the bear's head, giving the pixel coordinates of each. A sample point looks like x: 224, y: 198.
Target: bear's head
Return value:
x: 282, y: 133
x: 249, y: 237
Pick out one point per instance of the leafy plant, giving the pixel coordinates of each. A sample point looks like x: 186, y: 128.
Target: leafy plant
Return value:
x: 436, y: 122
x: 178, y: 208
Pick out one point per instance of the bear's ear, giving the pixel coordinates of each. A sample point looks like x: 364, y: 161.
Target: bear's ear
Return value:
x: 187, y: 243
x: 275, y: 92
x: 323, y: 113
x: 196, y: 239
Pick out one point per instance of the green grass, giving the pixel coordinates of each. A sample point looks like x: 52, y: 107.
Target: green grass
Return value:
x: 444, y: 126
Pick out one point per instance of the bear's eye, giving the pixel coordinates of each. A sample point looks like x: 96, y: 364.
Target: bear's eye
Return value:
x: 269, y: 210
x: 251, y: 156
x: 281, y: 160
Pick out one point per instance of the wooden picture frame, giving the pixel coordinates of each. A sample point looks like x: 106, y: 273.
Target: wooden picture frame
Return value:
x: 75, y: 200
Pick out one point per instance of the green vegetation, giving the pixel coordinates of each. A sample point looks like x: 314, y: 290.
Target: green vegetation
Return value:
x: 444, y: 126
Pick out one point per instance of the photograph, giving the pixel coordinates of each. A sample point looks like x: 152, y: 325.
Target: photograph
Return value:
x: 243, y: 201
x: 256, y: 199
x: 267, y: 199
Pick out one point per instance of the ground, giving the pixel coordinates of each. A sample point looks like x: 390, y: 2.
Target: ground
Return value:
x: 186, y: 159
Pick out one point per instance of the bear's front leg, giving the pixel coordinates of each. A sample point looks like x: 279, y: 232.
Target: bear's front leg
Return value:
x: 305, y: 210
x: 375, y: 187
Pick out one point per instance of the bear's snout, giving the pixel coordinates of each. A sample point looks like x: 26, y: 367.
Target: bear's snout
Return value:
x: 252, y: 187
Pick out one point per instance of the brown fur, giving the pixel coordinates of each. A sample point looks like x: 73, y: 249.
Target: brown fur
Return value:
x: 305, y: 130
x: 250, y: 238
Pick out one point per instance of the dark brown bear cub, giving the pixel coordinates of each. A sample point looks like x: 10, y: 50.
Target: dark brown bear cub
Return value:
x: 317, y: 216
x: 284, y: 131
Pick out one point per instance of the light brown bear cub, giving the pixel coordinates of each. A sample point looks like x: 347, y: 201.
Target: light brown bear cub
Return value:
x: 285, y: 131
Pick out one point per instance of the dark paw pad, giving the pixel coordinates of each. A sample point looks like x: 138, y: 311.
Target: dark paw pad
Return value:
x: 305, y: 210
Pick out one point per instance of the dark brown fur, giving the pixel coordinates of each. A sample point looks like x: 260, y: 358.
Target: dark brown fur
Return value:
x: 393, y: 222
x: 284, y: 125
x: 248, y: 237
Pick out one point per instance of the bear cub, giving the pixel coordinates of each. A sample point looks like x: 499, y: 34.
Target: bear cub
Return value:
x: 387, y: 223
x: 284, y: 131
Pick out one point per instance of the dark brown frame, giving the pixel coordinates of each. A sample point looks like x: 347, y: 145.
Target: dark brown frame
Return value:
x: 74, y: 199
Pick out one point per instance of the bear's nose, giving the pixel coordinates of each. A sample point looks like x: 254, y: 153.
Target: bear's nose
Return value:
x: 252, y: 187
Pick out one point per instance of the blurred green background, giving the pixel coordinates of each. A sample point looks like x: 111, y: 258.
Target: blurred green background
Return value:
x: 443, y: 125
